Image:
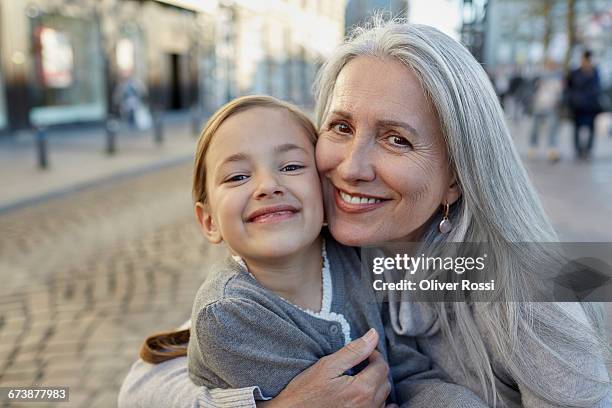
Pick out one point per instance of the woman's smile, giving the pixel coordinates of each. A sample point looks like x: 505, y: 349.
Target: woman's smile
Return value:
x: 384, y: 166
x: 356, y: 202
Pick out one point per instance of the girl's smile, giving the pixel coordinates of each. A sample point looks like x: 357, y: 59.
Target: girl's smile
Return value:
x: 263, y: 190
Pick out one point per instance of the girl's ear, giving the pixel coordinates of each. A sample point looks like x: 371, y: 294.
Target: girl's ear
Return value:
x: 207, y: 223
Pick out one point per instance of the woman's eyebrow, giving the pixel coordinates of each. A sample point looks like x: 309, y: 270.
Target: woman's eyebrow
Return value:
x: 344, y: 114
x: 384, y: 122
x: 397, y: 123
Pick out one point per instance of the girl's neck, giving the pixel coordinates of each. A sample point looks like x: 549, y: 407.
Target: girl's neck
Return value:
x: 296, y: 278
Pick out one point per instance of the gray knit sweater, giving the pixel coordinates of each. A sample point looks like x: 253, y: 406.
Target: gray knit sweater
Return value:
x: 168, y: 384
x: 240, y: 329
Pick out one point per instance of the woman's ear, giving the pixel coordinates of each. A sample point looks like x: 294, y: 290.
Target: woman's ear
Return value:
x: 453, y: 192
x: 207, y: 223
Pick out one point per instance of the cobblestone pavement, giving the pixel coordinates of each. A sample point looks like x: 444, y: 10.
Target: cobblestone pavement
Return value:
x: 85, y: 277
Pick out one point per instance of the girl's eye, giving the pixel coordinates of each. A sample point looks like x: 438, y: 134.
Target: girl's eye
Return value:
x: 292, y: 167
x: 398, y: 141
x: 341, y: 127
x: 237, y: 177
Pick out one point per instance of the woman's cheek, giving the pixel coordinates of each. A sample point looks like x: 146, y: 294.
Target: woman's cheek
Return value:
x: 326, y: 155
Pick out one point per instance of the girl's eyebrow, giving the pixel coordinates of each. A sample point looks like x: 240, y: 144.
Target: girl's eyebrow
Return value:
x: 287, y: 147
x: 233, y: 158
x: 237, y: 157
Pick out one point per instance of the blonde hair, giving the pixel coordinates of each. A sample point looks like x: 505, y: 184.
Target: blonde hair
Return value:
x: 225, y: 112
x: 161, y: 347
x: 165, y: 346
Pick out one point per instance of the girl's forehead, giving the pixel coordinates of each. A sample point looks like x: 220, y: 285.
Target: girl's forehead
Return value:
x: 257, y: 131
x: 260, y: 125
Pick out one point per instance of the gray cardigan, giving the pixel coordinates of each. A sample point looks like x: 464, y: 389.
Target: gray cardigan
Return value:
x: 240, y: 329
x: 168, y: 384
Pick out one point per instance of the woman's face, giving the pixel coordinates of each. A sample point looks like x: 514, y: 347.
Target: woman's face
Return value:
x: 381, y: 155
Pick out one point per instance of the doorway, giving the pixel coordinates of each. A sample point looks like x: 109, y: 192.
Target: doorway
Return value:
x: 177, y: 97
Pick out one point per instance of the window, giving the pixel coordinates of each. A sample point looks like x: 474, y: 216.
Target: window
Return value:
x: 3, y: 119
x: 68, y: 74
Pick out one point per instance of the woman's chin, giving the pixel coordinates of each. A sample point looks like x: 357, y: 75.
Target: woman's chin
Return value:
x: 350, y: 235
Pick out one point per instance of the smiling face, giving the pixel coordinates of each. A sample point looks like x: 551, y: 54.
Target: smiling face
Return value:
x: 263, y: 191
x: 381, y: 155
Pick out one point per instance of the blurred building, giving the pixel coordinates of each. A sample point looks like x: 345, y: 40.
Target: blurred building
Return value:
x: 275, y: 47
x: 359, y: 12
x: 62, y: 61
x: 515, y: 32
x: 474, y: 26
x: 3, y: 118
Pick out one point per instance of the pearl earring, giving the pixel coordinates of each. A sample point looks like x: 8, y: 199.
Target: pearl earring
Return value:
x: 445, y: 225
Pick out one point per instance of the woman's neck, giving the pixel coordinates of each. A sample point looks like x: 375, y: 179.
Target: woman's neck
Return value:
x: 296, y: 278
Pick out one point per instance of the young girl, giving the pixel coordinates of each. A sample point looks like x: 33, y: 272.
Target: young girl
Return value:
x: 286, y: 296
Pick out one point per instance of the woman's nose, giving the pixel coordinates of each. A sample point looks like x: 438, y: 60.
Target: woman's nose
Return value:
x: 357, y: 163
x: 268, y: 185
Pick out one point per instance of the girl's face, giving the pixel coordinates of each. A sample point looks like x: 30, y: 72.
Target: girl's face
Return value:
x: 264, y: 193
x: 381, y: 155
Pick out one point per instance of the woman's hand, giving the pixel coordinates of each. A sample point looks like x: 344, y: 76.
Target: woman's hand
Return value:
x: 324, y: 385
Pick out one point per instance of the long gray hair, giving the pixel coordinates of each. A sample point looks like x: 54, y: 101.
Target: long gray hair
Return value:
x: 498, y: 205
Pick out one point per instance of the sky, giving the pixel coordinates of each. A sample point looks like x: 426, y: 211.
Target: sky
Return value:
x: 445, y: 15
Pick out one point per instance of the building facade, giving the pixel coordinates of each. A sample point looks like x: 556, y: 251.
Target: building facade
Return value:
x: 360, y: 12
x: 63, y: 61
x: 514, y: 33
x: 275, y: 47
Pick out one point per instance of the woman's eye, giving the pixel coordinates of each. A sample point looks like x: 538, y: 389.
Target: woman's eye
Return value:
x: 398, y: 141
x: 341, y: 127
x: 237, y: 177
x: 292, y: 167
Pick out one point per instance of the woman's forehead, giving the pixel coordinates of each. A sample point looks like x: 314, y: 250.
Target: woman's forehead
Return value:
x: 382, y: 89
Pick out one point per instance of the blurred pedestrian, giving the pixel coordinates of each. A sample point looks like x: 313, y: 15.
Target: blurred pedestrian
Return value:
x: 514, y: 95
x: 130, y: 96
x: 584, y: 90
x: 548, y: 91
x: 501, y: 83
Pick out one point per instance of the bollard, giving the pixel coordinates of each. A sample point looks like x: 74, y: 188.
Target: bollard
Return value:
x: 41, y: 147
x: 158, y: 128
x: 112, y: 127
x: 195, y: 121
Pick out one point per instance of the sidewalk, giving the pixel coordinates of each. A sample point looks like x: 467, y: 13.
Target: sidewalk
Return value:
x: 77, y: 159
x: 602, y: 147
x: 576, y: 195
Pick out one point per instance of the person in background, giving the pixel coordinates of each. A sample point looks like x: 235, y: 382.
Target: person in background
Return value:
x: 584, y: 87
x: 549, y: 88
x: 129, y: 98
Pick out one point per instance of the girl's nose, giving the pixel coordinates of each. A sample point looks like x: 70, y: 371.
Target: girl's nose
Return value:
x: 268, y: 185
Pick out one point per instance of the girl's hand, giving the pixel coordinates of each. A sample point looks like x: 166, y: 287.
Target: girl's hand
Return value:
x: 324, y: 385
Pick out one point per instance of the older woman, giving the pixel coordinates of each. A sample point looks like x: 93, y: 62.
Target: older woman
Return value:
x: 413, y: 147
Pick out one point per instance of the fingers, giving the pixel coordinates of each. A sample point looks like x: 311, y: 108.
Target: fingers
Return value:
x: 351, y: 354
x: 375, y: 377
x: 382, y: 392
x: 377, y: 370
